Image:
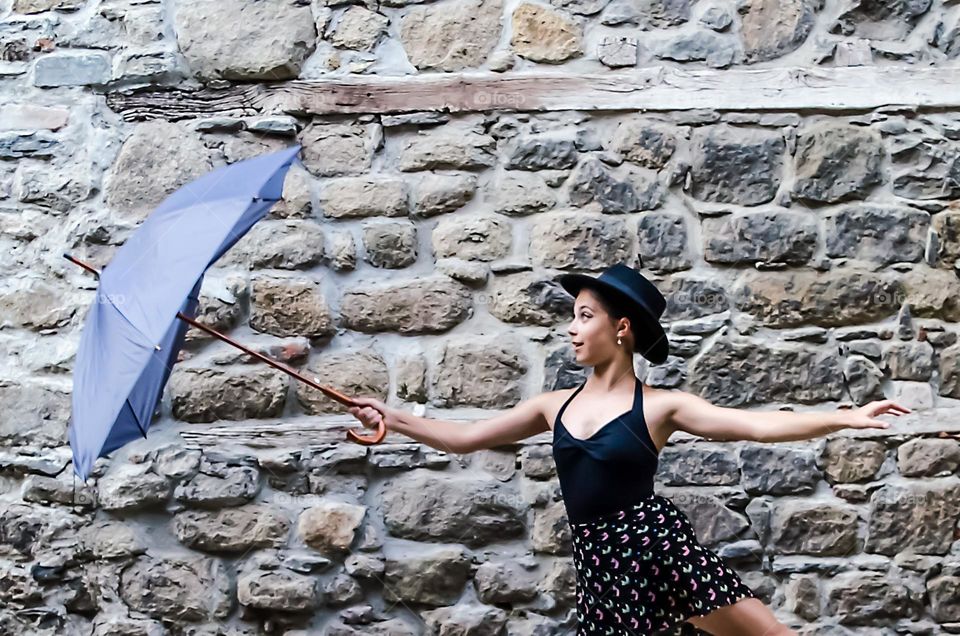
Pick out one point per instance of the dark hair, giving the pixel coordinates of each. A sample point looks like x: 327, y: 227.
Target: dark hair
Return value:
x: 616, y: 309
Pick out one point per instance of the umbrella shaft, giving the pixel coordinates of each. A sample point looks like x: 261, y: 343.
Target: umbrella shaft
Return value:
x: 82, y: 264
x: 332, y: 393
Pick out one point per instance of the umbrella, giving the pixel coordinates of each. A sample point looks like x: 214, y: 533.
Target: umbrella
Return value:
x: 147, y: 298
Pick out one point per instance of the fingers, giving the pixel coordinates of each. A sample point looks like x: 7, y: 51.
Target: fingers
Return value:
x: 892, y: 406
x: 893, y: 409
x: 368, y: 416
x: 886, y: 406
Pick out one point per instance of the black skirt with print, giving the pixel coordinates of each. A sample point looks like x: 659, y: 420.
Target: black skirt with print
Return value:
x: 642, y: 571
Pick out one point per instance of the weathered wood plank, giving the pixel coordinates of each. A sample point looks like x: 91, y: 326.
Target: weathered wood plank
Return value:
x: 303, y: 433
x: 296, y: 434
x: 653, y: 89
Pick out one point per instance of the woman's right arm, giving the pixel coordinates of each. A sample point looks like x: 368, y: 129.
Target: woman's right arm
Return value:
x: 523, y: 420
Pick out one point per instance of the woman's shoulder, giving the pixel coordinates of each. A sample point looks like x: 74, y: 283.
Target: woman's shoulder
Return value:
x: 655, y: 390
x: 553, y: 400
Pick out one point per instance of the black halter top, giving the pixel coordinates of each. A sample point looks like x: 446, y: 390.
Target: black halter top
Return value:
x: 612, y: 469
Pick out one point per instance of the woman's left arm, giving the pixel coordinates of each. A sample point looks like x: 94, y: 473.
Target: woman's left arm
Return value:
x: 693, y: 414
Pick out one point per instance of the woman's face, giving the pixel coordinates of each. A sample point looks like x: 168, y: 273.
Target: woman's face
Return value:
x: 593, y: 333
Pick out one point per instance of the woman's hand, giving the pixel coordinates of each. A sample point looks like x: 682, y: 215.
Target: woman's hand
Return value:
x: 371, y: 411
x: 863, y: 417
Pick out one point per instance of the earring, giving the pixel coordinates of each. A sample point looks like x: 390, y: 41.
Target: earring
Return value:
x: 619, y: 342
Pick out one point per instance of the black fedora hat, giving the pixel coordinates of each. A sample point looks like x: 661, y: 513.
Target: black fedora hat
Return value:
x: 637, y: 296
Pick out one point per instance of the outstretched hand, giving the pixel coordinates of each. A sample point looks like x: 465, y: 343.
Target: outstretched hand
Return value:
x: 864, y: 417
x: 371, y: 411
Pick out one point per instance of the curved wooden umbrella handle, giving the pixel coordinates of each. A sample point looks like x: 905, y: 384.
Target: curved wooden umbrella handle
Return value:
x: 368, y: 440
x: 352, y: 435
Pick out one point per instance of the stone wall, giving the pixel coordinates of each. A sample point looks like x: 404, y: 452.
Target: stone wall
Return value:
x: 808, y: 250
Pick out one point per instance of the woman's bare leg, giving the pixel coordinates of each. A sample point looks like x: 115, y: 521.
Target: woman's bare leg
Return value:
x: 746, y: 617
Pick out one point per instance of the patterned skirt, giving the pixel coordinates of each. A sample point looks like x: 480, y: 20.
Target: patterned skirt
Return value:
x: 642, y: 571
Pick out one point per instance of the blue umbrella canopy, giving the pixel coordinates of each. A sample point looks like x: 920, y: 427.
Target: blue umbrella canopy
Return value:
x: 132, y: 334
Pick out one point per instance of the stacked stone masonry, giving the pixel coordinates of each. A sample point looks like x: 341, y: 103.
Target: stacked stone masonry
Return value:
x: 809, y: 257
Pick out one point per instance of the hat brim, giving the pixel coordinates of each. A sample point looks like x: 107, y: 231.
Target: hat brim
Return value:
x: 655, y: 347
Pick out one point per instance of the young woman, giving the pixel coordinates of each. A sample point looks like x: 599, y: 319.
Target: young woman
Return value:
x: 640, y: 568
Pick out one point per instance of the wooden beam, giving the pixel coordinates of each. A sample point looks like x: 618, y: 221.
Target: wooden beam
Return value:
x: 296, y: 433
x: 649, y: 89
x: 320, y: 431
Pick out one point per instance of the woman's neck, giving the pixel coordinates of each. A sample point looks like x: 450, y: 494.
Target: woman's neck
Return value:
x: 608, y: 376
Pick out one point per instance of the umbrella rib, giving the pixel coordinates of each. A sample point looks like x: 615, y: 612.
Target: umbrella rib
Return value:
x: 137, y: 418
x: 130, y: 322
